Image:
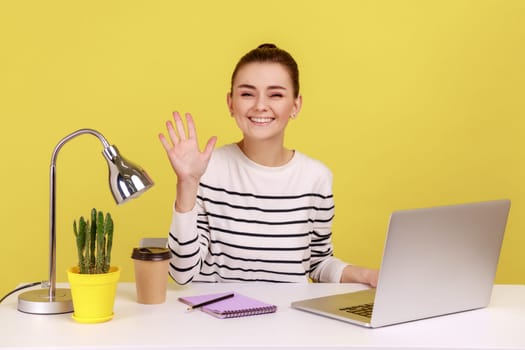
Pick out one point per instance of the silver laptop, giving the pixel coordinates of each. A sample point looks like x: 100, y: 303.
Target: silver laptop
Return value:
x: 436, y: 261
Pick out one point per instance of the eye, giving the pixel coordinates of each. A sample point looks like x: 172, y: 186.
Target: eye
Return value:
x: 276, y: 95
x: 246, y: 94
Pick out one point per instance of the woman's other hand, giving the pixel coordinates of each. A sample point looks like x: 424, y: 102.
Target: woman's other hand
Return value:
x: 357, y: 274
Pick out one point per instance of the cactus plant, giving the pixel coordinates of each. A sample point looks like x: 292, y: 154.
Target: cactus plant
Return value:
x: 94, y: 239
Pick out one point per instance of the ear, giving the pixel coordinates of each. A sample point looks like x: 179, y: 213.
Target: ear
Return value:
x: 297, y: 104
x: 229, y: 102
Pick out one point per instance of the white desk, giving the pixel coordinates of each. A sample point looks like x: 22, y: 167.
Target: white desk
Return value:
x: 170, y: 326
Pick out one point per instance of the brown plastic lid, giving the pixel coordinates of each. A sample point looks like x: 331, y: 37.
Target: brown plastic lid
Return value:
x: 151, y: 253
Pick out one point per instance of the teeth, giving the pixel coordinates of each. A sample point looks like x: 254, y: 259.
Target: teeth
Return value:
x: 261, y: 120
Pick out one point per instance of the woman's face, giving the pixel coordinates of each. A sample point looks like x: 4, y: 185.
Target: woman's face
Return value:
x: 262, y: 100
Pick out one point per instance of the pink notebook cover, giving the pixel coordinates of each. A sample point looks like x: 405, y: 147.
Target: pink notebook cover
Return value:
x: 237, y: 306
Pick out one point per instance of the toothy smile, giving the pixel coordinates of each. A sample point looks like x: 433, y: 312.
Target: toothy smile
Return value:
x: 261, y: 120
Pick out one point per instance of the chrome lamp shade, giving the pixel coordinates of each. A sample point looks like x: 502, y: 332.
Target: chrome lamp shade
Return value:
x: 126, y: 181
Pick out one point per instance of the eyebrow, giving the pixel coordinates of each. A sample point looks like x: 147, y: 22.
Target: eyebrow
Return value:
x: 271, y: 87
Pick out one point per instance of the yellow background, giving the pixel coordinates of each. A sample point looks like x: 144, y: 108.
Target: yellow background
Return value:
x: 410, y: 103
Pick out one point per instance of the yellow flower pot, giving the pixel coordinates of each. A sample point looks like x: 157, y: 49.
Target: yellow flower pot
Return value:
x: 93, y: 294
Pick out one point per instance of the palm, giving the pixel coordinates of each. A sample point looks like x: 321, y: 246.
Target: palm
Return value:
x: 186, y: 159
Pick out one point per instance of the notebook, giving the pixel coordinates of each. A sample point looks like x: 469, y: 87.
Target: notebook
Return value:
x: 237, y: 306
x: 436, y: 261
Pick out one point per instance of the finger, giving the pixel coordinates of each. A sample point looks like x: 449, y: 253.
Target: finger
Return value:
x: 192, y: 132
x: 180, y: 125
x: 165, y: 143
x: 171, y: 132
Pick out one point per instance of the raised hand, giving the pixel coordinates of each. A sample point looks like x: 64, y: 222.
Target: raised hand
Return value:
x: 188, y: 162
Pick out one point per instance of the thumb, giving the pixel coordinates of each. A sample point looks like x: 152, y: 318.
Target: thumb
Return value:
x: 210, y: 145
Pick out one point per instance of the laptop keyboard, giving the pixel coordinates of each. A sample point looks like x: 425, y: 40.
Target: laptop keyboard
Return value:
x: 364, y: 310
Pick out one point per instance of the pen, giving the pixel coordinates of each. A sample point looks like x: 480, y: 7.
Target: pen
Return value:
x: 211, y: 301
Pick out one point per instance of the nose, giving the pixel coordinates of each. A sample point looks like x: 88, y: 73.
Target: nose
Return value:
x: 260, y: 103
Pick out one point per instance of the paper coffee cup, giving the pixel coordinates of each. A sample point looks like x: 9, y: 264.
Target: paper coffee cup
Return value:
x: 151, y: 274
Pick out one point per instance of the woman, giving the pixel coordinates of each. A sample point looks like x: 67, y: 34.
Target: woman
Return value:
x: 254, y: 210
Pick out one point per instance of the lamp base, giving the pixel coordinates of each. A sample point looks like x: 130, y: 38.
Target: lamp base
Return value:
x: 38, y: 302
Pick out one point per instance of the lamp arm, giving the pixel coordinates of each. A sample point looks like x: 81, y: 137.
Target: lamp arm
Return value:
x: 72, y: 136
x: 52, y: 202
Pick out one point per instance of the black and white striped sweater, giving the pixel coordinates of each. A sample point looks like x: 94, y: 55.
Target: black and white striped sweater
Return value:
x: 257, y: 223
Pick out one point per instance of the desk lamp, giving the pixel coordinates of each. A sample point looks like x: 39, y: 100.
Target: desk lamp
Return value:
x: 126, y: 181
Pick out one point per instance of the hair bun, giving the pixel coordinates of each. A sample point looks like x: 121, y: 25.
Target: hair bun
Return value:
x: 267, y: 46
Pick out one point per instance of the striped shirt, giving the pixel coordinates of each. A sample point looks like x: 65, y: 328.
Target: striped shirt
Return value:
x: 257, y: 223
